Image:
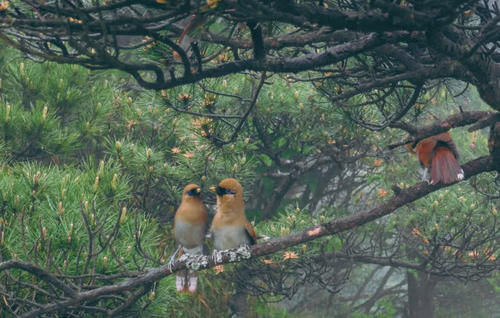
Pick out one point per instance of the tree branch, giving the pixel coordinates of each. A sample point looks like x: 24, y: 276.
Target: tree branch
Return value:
x: 40, y: 273
x: 458, y: 120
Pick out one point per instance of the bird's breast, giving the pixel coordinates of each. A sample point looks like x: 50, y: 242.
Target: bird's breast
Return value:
x: 230, y: 236
x: 189, y: 235
x: 192, y: 211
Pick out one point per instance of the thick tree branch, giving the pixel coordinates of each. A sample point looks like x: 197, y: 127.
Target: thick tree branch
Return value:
x: 40, y: 273
x: 457, y: 120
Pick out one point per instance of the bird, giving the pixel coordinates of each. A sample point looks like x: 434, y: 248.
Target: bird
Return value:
x: 190, y: 227
x: 230, y: 227
x: 439, y: 155
x: 185, y: 41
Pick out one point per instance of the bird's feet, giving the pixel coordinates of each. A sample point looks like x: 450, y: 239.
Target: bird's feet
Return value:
x: 233, y: 255
x: 172, y: 259
x: 424, y: 174
x: 217, y: 256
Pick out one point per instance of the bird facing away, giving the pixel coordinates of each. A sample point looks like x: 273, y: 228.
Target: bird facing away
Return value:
x: 230, y: 227
x: 189, y: 230
x: 439, y: 154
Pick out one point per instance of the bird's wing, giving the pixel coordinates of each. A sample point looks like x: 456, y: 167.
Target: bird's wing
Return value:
x: 446, y: 139
x: 250, y: 233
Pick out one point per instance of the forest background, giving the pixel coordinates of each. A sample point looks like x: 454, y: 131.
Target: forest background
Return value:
x: 93, y: 163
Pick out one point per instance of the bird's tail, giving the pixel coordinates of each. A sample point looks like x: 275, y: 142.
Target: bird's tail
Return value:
x: 445, y: 167
x: 181, y: 281
x: 186, y: 281
x: 192, y: 281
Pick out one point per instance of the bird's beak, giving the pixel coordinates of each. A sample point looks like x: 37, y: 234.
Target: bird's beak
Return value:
x: 410, y: 148
x: 212, y: 188
x: 198, y: 190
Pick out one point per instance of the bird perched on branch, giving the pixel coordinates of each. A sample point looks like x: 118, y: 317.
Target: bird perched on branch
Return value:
x: 439, y: 155
x: 189, y: 230
x: 230, y: 227
x: 189, y: 24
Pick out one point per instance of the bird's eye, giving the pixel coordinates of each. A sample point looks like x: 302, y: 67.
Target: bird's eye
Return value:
x: 222, y: 191
x: 193, y: 192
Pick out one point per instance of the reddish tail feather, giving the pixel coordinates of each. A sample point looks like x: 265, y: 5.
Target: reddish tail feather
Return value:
x: 186, y: 281
x: 445, y: 167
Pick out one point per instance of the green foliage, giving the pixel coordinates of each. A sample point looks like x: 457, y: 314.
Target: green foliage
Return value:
x: 384, y: 309
x: 265, y: 310
x: 79, y: 155
x: 47, y: 212
x: 82, y: 151
x: 51, y: 112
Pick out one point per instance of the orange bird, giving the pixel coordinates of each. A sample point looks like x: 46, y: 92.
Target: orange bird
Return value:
x: 439, y: 154
x: 189, y: 230
x: 230, y: 227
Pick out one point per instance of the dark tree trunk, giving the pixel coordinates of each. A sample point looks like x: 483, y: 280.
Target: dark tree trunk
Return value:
x: 239, y: 306
x: 274, y: 202
x: 420, y: 295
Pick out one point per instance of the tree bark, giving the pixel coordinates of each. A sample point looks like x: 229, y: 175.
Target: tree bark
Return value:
x: 421, y: 295
x: 239, y: 306
x: 240, y: 303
